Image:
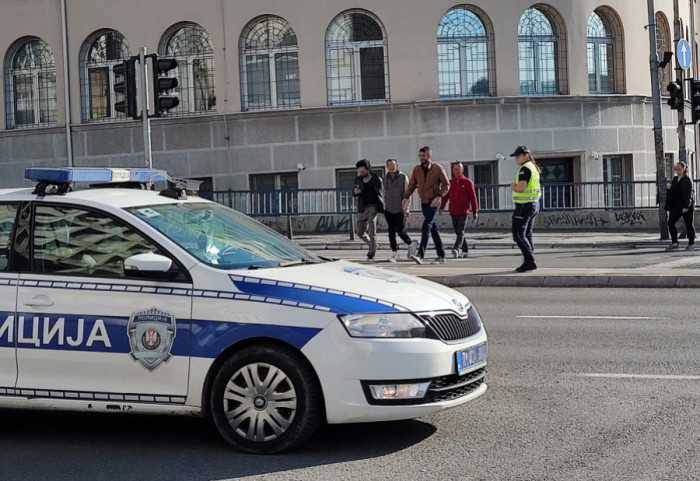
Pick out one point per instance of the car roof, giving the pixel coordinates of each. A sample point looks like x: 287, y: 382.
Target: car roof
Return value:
x: 112, y: 197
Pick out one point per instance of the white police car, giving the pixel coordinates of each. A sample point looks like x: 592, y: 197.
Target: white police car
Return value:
x: 133, y: 300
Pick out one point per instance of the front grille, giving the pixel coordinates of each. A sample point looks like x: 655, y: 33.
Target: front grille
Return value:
x: 451, y: 327
x: 454, y: 386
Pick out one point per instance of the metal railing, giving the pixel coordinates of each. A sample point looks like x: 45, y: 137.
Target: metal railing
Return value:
x: 491, y: 198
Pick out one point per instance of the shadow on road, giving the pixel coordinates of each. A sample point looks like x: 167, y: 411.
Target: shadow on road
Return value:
x: 72, y: 446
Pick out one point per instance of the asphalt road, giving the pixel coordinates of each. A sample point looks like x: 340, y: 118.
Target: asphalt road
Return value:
x: 602, y: 384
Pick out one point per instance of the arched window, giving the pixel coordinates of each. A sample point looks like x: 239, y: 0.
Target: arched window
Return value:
x: 663, y: 44
x: 357, y: 65
x: 464, y: 54
x: 539, y: 53
x: 100, y: 54
x: 191, y: 45
x: 269, y: 65
x: 30, y: 84
x: 605, y: 62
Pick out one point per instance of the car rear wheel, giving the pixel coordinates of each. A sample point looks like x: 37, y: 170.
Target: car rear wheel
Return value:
x: 266, y: 399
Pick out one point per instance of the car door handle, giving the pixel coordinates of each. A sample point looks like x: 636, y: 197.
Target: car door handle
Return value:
x: 38, y: 301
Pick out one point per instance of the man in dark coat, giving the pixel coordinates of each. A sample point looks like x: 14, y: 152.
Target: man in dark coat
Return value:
x: 369, y: 191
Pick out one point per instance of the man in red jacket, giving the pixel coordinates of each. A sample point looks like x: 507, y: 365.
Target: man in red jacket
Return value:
x: 462, y: 200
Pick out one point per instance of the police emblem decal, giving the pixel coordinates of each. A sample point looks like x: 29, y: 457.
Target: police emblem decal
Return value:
x: 151, y: 334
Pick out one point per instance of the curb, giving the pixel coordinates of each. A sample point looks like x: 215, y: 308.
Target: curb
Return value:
x: 501, y: 245
x: 591, y: 281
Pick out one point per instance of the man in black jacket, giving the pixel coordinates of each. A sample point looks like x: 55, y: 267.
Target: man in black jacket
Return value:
x: 369, y: 191
x: 680, y: 202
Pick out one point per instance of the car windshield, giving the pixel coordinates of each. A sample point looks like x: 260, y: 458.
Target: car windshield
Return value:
x: 222, y: 237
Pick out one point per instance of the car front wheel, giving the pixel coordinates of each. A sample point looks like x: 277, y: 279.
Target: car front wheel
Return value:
x: 265, y: 399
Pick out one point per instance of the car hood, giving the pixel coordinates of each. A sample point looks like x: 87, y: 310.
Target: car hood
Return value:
x: 346, y: 287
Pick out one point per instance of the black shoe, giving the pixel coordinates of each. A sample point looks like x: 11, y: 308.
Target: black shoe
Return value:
x: 370, y: 256
x: 527, y: 266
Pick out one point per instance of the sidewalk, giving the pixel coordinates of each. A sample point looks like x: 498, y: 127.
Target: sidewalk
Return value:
x: 595, y: 259
x: 502, y: 240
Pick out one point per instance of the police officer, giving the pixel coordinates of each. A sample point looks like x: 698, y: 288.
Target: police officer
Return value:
x: 527, y: 192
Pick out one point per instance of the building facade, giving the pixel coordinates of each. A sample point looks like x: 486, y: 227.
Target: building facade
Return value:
x: 290, y: 94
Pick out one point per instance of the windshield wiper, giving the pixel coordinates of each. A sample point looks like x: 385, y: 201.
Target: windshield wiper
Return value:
x: 296, y: 262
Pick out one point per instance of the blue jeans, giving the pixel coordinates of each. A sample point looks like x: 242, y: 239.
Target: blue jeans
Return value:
x: 430, y: 227
x: 523, y: 224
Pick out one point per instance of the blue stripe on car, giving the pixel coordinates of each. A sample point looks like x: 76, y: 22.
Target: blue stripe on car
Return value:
x: 198, y: 338
x: 339, y: 302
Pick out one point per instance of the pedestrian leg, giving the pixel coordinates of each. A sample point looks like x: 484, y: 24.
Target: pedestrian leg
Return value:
x: 521, y: 219
x: 459, y: 223
x: 428, y: 218
x: 434, y: 229
x: 392, y: 224
x: 401, y: 229
x: 362, y: 227
x: 673, y: 218
x: 372, y: 230
x: 531, y: 228
x: 689, y: 218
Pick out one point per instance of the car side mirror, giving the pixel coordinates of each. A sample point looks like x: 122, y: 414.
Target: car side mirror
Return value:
x: 147, y: 263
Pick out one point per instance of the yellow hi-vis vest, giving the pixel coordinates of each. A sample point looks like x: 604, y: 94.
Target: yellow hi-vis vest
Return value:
x: 533, y: 190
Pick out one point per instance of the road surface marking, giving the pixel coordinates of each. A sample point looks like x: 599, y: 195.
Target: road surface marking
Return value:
x: 672, y: 377
x: 688, y: 261
x: 617, y: 318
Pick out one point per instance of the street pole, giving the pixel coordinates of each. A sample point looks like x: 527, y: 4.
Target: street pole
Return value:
x: 680, y: 77
x: 658, y: 123
x: 147, y: 148
x: 695, y: 76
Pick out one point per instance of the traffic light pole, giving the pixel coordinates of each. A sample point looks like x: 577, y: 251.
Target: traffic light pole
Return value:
x: 680, y: 74
x: 658, y: 125
x: 147, y: 147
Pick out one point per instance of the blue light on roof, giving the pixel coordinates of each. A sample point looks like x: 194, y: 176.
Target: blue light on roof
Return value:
x: 66, y: 175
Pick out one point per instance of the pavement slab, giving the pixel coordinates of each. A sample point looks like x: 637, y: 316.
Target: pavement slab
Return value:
x: 594, y: 259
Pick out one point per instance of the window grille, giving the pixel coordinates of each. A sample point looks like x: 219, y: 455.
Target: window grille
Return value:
x: 357, y: 64
x: 663, y: 44
x: 191, y: 45
x: 465, y: 55
x: 539, y: 53
x: 269, y: 60
x: 100, y: 54
x: 30, y: 85
x: 605, y: 49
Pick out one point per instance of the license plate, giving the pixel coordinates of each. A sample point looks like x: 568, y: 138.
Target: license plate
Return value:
x: 472, y: 357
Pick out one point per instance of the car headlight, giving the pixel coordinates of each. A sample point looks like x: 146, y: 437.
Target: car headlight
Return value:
x: 399, y: 324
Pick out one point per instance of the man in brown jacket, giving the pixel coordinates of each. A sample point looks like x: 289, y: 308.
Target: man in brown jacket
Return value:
x: 432, y: 184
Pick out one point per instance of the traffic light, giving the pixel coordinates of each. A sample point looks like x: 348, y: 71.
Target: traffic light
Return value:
x: 125, y: 85
x: 695, y: 100
x: 675, y: 91
x: 163, y: 85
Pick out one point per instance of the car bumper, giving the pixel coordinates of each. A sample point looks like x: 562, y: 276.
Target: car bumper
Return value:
x: 344, y: 363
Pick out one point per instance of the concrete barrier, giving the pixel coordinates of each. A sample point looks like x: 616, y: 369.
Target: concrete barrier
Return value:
x: 584, y: 220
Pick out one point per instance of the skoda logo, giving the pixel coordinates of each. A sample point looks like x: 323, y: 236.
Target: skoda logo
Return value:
x: 458, y: 305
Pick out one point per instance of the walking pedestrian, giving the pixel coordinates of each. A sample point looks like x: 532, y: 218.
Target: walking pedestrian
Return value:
x: 369, y: 191
x: 432, y: 184
x: 527, y: 193
x: 680, y: 202
x: 462, y: 200
x: 395, y: 184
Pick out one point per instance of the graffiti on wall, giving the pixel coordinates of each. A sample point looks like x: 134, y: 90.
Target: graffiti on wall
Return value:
x: 630, y: 218
x: 332, y: 223
x: 574, y: 219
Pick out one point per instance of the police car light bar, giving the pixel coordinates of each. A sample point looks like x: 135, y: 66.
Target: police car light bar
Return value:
x: 67, y: 175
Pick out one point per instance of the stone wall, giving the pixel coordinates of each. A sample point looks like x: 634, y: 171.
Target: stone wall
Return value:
x: 229, y: 148
x: 585, y: 220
